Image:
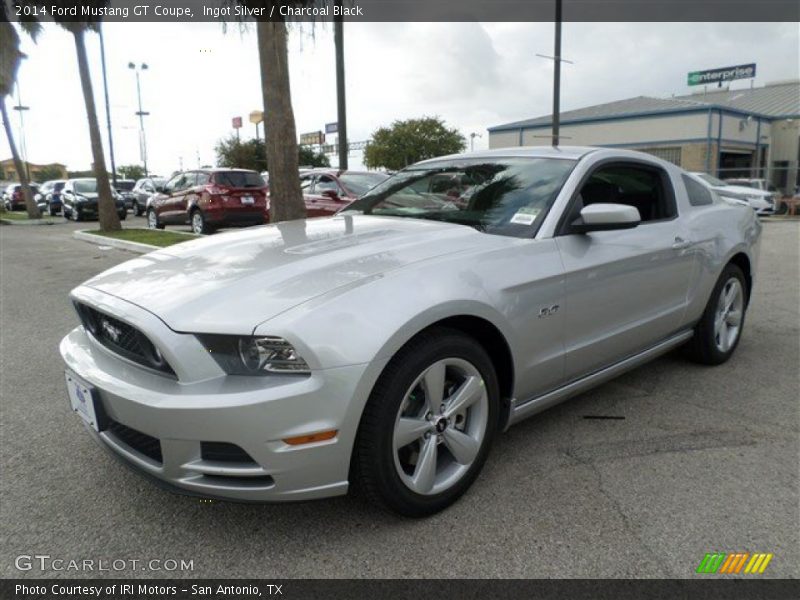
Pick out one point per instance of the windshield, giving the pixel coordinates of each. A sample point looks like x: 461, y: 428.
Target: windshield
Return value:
x: 85, y: 186
x: 124, y: 185
x: 503, y: 196
x: 712, y: 180
x: 239, y: 179
x: 360, y: 183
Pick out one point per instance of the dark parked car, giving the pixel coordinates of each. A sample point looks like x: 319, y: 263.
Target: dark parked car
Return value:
x: 210, y: 198
x: 327, y: 191
x: 79, y: 197
x: 125, y: 189
x: 142, y: 192
x: 51, y: 196
x: 13, y: 199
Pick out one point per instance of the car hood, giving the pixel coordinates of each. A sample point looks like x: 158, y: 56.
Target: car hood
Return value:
x: 232, y: 282
x: 742, y: 190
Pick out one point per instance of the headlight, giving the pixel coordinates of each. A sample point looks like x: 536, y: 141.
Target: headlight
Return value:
x: 254, y: 355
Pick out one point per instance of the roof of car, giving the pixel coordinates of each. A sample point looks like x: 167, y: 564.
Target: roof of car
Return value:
x: 571, y: 152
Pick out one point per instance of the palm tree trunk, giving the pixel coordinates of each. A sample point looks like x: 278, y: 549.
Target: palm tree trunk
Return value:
x: 106, y: 208
x: 22, y: 172
x: 286, y: 199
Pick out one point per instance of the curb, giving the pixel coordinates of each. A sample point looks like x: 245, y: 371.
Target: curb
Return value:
x: 27, y: 222
x: 100, y: 240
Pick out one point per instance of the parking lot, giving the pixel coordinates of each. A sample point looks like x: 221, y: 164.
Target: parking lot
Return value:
x: 696, y: 460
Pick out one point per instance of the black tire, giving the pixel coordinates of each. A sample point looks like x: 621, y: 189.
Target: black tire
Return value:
x: 53, y: 212
x: 76, y: 215
x: 137, y: 210
x: 152, y: 220
x: 702, y: 348
x: 123, y: 214
x: 373, y: 469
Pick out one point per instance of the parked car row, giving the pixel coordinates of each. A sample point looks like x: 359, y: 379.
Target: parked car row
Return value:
x: 208, y: 199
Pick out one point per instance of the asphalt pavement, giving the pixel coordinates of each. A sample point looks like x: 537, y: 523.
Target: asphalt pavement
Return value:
x: 699, y: 460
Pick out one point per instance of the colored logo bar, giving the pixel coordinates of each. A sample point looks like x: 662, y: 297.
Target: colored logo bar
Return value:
x: 734, y: 563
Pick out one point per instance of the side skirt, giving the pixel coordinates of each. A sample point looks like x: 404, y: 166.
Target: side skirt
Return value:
x: 528, y: 408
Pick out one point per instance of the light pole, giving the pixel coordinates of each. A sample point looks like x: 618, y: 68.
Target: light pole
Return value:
x: 22, y: 146
x: 141, y: 114
x: 472, y: 137
x: 341, y: 107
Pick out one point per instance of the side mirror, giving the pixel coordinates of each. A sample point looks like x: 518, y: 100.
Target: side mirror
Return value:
x: 330, y: 194
x: 161, y: 189
x: 606, y: 217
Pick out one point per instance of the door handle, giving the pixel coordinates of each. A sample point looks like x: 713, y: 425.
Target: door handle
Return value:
x: 680, y: 243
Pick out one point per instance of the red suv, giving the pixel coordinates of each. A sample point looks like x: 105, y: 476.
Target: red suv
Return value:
x: 209, y: 198
x: 326, y: 191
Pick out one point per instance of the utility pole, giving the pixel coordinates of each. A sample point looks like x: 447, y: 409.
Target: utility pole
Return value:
x: 341, y: 126
x: 472, y: 137
x: 557, y: 78
x: 108, y: 107
x: 557, y: 60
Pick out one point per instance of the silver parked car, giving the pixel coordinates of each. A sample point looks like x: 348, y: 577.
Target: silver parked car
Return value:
x: 386, y: 346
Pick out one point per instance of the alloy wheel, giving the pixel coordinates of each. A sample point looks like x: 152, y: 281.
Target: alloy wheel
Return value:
x: 197, y: 222
x: 440, y: 426
x: 728, y: 318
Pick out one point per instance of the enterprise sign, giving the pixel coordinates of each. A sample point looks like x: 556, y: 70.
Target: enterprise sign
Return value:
x: 723, y: 74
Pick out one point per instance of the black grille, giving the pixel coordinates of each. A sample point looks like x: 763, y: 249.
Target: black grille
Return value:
x: 122, y: 338
x: 141, y: 442
x: 224, y: 452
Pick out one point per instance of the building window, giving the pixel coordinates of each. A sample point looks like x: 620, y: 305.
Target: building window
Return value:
x: 671, y: 154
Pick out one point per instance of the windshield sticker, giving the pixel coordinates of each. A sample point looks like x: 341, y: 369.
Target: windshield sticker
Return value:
x: 525, y: 216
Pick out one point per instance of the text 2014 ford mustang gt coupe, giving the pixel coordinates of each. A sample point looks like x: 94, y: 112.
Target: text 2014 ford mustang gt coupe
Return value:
x: 387, y: 345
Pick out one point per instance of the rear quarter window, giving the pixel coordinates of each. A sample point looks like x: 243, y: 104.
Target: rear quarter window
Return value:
x: 699, y: 195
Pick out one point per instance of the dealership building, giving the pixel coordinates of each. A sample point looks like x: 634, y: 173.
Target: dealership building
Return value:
x: 749, y: 132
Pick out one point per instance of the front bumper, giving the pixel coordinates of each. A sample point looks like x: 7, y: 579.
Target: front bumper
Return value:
x: 160, y: 424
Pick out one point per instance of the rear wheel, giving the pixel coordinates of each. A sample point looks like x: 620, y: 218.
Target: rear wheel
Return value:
x: 152, y: 220
x: 428, y: 425
x: 199, y: 224
x: 717, y: 334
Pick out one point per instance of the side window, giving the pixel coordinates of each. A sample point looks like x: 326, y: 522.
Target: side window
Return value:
x: 305, y: 184
x: 645, y: 188
x: 189, y: 180
x: 202, y: 178
x: 699, y: 195
x: 175, y: 184
x: 326, y: 183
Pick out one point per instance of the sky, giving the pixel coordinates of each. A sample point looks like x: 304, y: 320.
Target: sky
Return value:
x: 472, y: 75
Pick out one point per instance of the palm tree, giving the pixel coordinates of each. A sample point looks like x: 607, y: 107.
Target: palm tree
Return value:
x: 10, y: 57
x: 286, y: 199
x: 106, y: 208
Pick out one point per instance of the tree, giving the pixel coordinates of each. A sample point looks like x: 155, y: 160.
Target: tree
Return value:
x: 10, y: 57
x: 47, y: 172
x: 236, y: 154
x: 251, y: 154
x: 286, y: 199
x: 407, y: 142
x: 130, y: 171
x: 308, y: 157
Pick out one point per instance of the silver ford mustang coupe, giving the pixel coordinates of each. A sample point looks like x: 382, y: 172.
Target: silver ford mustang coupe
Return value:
x: 385, y: 346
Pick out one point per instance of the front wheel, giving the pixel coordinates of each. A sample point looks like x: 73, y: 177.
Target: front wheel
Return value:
x: 428, y: 425
x: 152, y: 220
x: 717, y: 334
